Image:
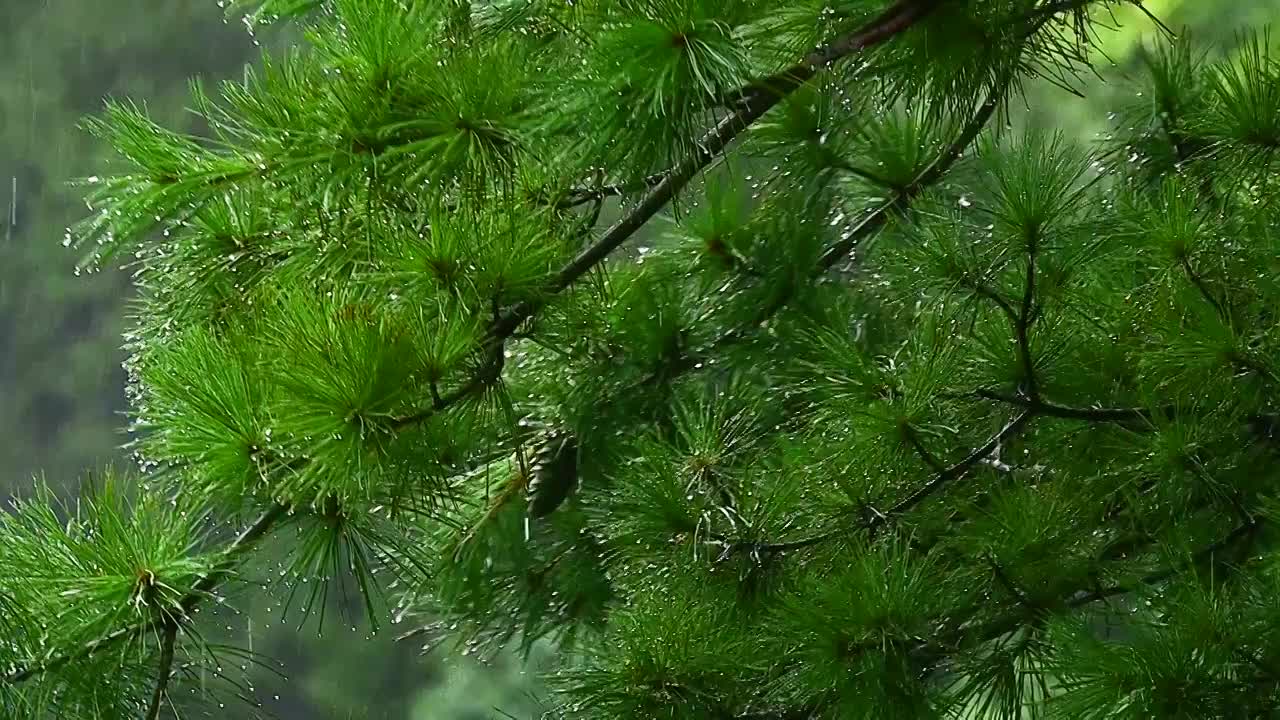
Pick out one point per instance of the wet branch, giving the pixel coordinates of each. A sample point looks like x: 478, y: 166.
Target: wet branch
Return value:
x: 1022, y: 329
x: 879, y: 519
x: 898, y: 18
x: 230, y: 558
x: 167, y: 642
x: 913, y: 439
x: 961, y: 468
x: 895, y: 20
x: 583, y: 195
x: 1203, y: 288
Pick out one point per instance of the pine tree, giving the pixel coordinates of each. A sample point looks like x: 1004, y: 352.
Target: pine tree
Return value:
x: 738, y: 347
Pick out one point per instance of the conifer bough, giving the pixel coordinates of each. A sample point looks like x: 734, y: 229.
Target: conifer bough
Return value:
x: 1014, y: 459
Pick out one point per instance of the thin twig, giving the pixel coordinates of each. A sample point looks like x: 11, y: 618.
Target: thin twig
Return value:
x: 584, y: 195
x: 1083, y: 598
x: 961, y: 468
x: 1022, y: 330
x: 1052, y: 409
x: 926, y: 179
x: 167, y: 641
x: 913, y: 439
x: 879, y: 519
x: 1008, y: 583
x: 983, y: 290
x: 1204, y: 291
x: 1002, y: 626
x: 874, y: 221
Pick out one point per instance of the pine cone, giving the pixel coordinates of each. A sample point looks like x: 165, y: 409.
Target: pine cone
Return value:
x: 554, y: 474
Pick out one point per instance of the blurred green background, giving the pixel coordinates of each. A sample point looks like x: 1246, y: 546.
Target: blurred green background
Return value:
x: 61, y: 385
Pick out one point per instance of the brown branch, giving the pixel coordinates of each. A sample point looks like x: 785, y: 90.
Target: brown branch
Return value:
x: 583, y: 195
x: 167, y: 641
x: 879, y: 519
x: 961, y: 468
x: 1022, y: 329
x: 1052, y: 409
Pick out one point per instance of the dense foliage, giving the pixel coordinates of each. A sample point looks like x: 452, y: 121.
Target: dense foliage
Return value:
x: 61, y: 384
x: 892, y: 415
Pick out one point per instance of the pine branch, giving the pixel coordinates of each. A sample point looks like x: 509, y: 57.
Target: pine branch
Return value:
x: 1042, y: 406
x: 926, y: 179
x: 893, y: 21
x: 1239, y: 533
x: 584, y: 195
x: 1262, y: 424
x: 961, y: 468
x: 1022, y: 329
x: 866, y: 228
x: 879, y: 519
x: 960, y: 629
x: 913, y: 439
x: 1204, y: 291
x: 230, y: 559
x: 1008, y: 584
x: 897, y: 19
x: 167, y: 642
x: 246, y: 541
x: 930, y: 176
x: 1081, y: 598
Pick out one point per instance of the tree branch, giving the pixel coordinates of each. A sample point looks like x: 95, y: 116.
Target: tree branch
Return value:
x: 1052, y: 409
x: 1008, y: 583
x: 913, y: 439
x: 879, y: 519
x: 1001, y: 626
x: 877, y: 219
x: 583, y: 195
x: 961, y: 468
x: 898, y: 18
x: 1022, y: 329
x: 230, y: 557
x: 1204, y: 291
x: 167, y: 642
x: 1240, y: 532
x: 927, y: 178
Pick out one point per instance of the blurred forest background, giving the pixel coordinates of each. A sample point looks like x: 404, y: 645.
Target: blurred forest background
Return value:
x: 62, y: 399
